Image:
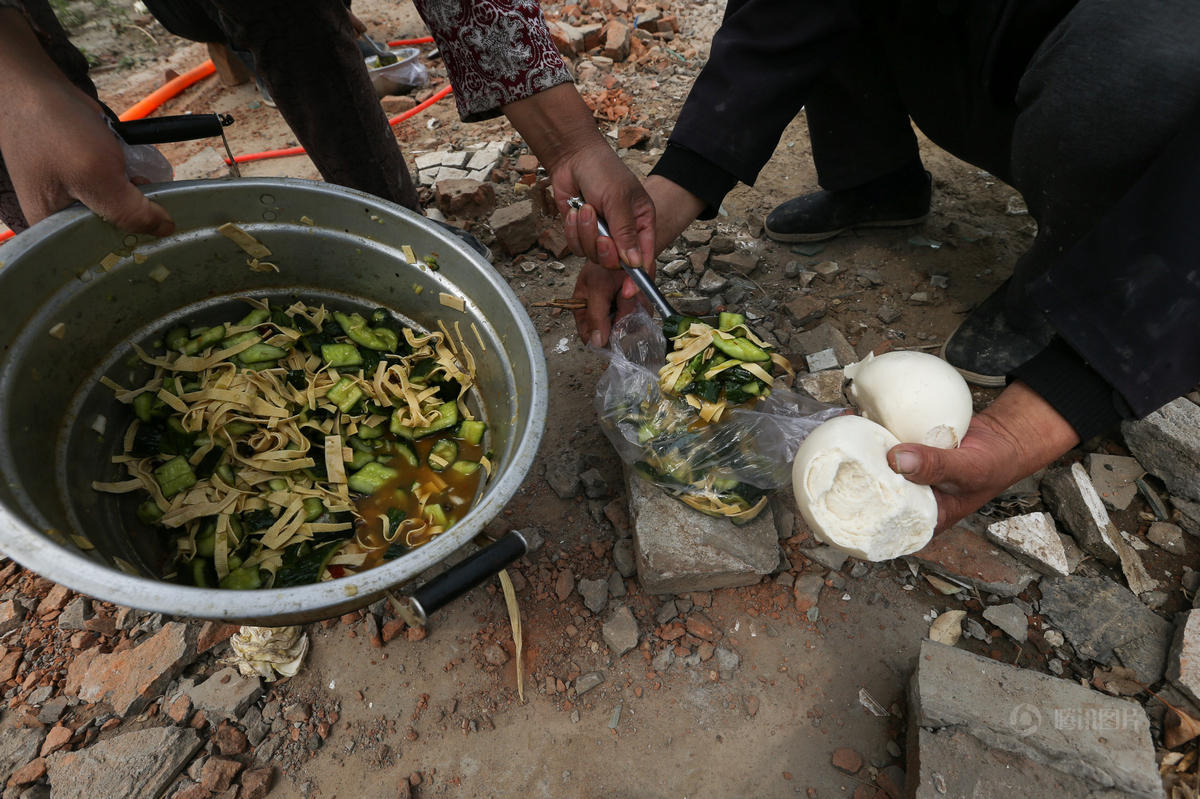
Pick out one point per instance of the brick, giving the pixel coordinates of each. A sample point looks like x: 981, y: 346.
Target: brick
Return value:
x: 465, y: 197
x: 964, y: 555
x: 54, y: 601
x: 256, y: 783
x: 618, y: 39
x: 847, y: 760
x: 30, y: 772
x: 516, y: 227
x: 217, y: 773
x: 130, y: 680
x: 632, y: 136
x: 554, y: 241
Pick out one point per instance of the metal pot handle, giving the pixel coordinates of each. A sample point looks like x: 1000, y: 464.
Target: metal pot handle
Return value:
x: 184, y: 127
x: 462, y: 577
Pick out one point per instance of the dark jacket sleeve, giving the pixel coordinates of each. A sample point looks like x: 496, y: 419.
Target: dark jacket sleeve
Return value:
x: 762, y: 62
x: 1126, y: 297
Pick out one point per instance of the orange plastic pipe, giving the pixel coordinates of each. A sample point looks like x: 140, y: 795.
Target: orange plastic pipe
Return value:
x: 144, y: 107
x: 396, y: 120
x: 403, y: 42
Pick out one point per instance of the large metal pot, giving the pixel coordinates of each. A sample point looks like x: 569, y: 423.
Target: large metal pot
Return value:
x: 331, y: 245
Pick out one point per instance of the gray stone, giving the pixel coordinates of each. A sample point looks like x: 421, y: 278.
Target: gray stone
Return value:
x: 620, y: 631
x: 827, y: 269
x: 1102, y: 619
x: 616, y: 586
x: 826, y: 336
x: 256, y: 727
x: 666, y: 612
x: 807, y: 591
x: 712, y: 282
x: 52, y: 709
x: 859, y: 570
x: 562, y: 473
x: 1188, y: 516
x: 676, y: 268
x: 821, y: 360
x: 1010, y: 619
x: 976, y: 630
x: 663, y: 660
x: 680, y: 549
x: 1034, y: 539
x: 1183, y: 659
x: 1115, y: 478
x: 586, y: 682
x: 594, y: 484
x: 1167, y: 443
x: 741, y: 262
x: 18, y: 745
x: 75, y: 615
x: 226, y: 694
x: 1073, y: 500
x: 140, y: 763
x: 824, y: 386
x: 726, y: 660
x: 1168, y: 536
x: 12, y: 614
x: 1072, y: 551
x: 887, y: 313
x: 594, y: 593
x: 827, y: 556
x: 1099, y: 740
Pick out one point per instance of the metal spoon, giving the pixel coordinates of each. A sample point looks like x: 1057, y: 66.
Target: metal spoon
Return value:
x: 639, y: 277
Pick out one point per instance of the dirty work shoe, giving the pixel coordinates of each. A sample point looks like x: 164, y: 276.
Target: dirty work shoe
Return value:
x: 987, y: 346
x: 894, y: 200
x: 468, y: 239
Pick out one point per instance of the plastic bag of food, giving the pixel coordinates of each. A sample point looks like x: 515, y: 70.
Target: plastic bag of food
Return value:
x: 725, y: 468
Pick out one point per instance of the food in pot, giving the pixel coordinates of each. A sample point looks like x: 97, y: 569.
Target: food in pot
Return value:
x: 301, y: 444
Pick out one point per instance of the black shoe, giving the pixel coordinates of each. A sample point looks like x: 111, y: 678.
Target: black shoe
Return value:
x: 988, y: 345
x: 468, y: 239
x: 894, y: 200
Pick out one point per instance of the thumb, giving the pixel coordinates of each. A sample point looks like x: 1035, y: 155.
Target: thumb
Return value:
x: 920, y: 464
x: 130, y: 210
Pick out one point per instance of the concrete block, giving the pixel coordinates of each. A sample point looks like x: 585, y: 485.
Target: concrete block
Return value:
x: 1071, y: 497
x: 680, y: 549
x: 1102, y: 619
x: 1100, y: 740
x: 1115, y: 478
x: 1167, y: 443
x: 1183, y: 660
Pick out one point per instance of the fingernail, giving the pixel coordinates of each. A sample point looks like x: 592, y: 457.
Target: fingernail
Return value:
x: 603, y: 248
x: 596, y: 340
x: 907, y: 462
x: 633, y: 258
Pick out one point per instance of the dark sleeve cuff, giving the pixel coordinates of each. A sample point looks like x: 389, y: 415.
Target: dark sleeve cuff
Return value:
x: 1081, y: 396
x: 698, y: 175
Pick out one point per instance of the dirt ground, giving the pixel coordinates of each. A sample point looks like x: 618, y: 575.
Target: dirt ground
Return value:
x: 437, y: 707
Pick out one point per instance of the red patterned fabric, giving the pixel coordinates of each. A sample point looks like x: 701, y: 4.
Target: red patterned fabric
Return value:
x: 497, y: 52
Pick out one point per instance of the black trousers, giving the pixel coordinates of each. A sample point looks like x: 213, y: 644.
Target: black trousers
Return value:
x: 1107, y: 88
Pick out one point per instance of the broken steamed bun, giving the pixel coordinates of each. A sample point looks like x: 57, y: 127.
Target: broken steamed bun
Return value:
x: 919, y: 397
x: 852, y: 499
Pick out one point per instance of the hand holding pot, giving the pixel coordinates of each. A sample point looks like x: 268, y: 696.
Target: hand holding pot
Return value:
x: 56, y: 145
